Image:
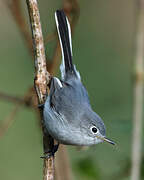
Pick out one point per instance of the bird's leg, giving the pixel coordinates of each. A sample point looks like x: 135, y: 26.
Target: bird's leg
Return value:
x: 51, y: 152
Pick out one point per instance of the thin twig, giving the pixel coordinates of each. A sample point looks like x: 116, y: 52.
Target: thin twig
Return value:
x: 62, y: 156
x: 11, y: 98
x: 138, y: 96
x: 29, y: 100
x: 42, y: 79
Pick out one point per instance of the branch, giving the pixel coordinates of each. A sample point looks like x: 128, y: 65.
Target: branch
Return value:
x: 62, y: 156
x: 42, y: 78
x: 138, y: 96
x: 29, y: 99
x: 10, y: 98
x: 72, y: 10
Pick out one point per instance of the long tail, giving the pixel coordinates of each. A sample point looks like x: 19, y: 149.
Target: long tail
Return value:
x: 64, y: 33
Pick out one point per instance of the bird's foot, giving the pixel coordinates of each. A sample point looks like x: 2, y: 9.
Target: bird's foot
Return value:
x: 41, y: 106
x: 51, y: 153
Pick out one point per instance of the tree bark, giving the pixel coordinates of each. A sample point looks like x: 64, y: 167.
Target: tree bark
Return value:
x: 138, y: 95
x: 42, y: 78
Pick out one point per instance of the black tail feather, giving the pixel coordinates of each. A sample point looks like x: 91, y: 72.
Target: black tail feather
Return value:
x: 65, y: 40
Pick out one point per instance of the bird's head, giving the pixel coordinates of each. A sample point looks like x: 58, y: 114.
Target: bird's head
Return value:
x: 93, y: 129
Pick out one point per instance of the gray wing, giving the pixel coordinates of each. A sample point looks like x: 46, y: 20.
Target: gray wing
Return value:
x: 70, y: 100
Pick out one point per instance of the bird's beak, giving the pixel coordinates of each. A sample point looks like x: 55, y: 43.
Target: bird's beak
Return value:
x: 106, y: 140
x: 109, y: 141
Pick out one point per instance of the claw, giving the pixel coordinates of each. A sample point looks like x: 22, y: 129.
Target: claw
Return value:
x: 51, y: 153
x: 47, y: 156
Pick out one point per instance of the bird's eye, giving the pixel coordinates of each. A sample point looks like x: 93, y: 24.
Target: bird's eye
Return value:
x: 94, y: 129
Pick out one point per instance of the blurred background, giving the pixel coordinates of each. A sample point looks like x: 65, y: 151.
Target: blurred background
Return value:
x: 104, y: 45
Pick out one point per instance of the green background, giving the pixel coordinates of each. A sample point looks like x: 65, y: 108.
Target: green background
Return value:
x: 104, y: 52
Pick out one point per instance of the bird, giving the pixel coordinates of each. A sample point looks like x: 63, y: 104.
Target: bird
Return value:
x: 68, y: 115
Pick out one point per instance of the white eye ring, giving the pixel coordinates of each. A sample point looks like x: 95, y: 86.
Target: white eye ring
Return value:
x: 94, y: 129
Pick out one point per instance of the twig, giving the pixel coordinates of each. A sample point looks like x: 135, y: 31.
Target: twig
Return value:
x: 62, y: 156
x: 42, y: 78
x: 29, y: 100
x: 138, y: 96
x: 10, y: 98
x: 72, y: 10
x: 8, y: 121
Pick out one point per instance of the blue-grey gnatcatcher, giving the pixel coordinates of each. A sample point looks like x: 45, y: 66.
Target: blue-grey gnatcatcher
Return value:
x: 68, y: 115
